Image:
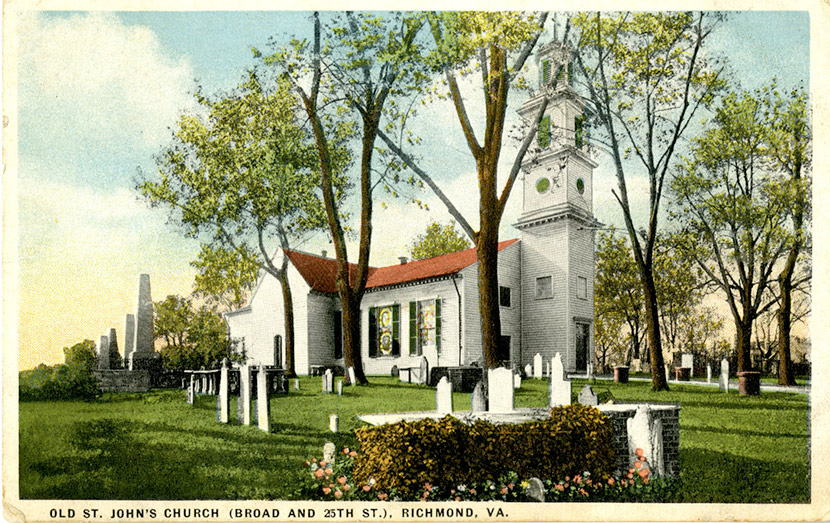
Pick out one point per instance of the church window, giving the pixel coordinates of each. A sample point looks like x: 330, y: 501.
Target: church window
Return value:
x: 571, y: 73
x: 560, y: 74
x: 579, y: 125
x: 384, y: 331
x: 545, y: 71
x: 504, y: 349
x: 544, y: 287
x: 582, y: 287
x: 424, y: 325
x: 542, y: 184
x: 504, y: 296
x: 543, y: 133
x: 580, y: 185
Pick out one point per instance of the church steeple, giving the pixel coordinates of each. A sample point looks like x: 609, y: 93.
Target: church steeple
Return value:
x: 558, y: 178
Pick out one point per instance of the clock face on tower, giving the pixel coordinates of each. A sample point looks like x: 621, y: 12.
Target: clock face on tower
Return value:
x: 542, y: 184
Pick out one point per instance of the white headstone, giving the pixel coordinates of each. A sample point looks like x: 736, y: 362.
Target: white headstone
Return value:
x: 687, y: 360
x: 536, y: 490
x: 590, y: 371
x: 708, y: 373
x: 350, y: 374
x: 423, y: 371
x: 528, y: 370
x: 224, y: 393
x: 339, y: 387
x: 296, y: 384
x: 443, y: 396
x: 263, y: 416
x: 334, y: 423
x: 724, y: 375
x: 517, y: 381
x: 537, y: 366
x: 191, y: 391
x: 478, y: 403
x: 500, y: 390
x: 129, y: 337
x: 328, y: 381
x: 103, y: 353
x: 560, y: 387
x: 547, y: 368
x: 245, y: 394
x: 646, y: 433
x: 329, y: 450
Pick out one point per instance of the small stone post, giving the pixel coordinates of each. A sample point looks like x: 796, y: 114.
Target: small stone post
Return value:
x: 296, y: 384
x: 224, y: 396
x: 190, y: 396
x: 443, y: 396
x: 724, y: 375
x: 334, y: 422
x: 243, y: 409
x: 708, y: 373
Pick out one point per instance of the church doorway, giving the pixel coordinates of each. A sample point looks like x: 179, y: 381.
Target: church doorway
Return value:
x: 278, y: 351
x: 583, y: 345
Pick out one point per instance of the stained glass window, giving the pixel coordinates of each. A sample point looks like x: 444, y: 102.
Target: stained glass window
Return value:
x: 384, y: 331
x: 424, y: 325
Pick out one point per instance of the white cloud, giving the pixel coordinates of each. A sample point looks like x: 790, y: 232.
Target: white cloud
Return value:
x: 91, y: 79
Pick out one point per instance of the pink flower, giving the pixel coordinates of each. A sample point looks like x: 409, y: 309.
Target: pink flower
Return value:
x: 352, y: 454
x: 318, y: 473
x: 326, y: 491
x: 367, y: 488
x: 510, y: 486
x: 638, y: 452
x: 638, y: 464
x: 630, y: 475
x: 644, y: 473
x: 645, y: 480
x: 322, y: 463
x: 342, y: 480
x: 473, y: 491
x: 338, y: 494
x: 567, y: 478
x: 583, y: 492
x: 578, y: 480
x: 642, y: 458
x: 329, y: 472
x: 503, y: 491
x: 345, y: 450
x: 457, y: 498
x: 382, y: 496
x: 610, y: 481
x: 559, y: 487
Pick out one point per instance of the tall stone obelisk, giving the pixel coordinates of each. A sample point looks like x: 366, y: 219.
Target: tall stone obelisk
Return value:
x: 143, y: 355
x: 115, y: 356
x: 129, y: 338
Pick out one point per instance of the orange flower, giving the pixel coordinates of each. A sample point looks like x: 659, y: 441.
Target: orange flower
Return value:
x: 322, y: 463
x: 318, y: 473
x: 583, y: 492
x: 345, y: 450
x: 352, y: 454
x: 503, y: 491
x: 610, y: 481
x: 638, y: 464
x: 342, y: 480
x: 644, y: 473
x: 642, y: 458
x: 457, y: 498
x: 346, y: 488
x: 329, y: 472
x: 630, y: 475
x: 473, y: 491
x: 645, y: 480
x: 338, y: 494
x: 326, y: 491
x: 427, y: 486
x: 510, y: 486
x: 578, y: 480
x: 313, y: 459
x: 382, y: 496
x: 367, y: 488
x: 559, y: 487
x: 567, y: 478
x: 638, y: 452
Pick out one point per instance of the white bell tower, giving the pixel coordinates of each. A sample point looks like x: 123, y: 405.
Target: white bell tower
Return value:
x: 557, y: 223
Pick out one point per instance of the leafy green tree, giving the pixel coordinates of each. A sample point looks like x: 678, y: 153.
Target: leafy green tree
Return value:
x: 194, y: 338
x: 437, y: 240
x: 646, y: 80
x: 618, y: 299
x: 225, y: 276
x: 734, y: 210
x: 240, y: 171
x: 789, y: 146
x: 495, y: 47
x: 74, y: 379
x: 347, y: 80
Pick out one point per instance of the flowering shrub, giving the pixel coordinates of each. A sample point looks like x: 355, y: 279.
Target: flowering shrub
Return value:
x: 333, y: 480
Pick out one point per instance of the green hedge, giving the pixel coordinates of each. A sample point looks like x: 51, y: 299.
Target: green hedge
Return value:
x: 71, y: 380
x: 403, y: 456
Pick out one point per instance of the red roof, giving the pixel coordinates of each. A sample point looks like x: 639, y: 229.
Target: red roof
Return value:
x: 321, y: 273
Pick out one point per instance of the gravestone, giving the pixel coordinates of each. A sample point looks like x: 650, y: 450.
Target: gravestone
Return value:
x: 143, y: 344
x: 423, y: 371
x: 296, y: 384
x: 517, y: 381
x: 443, y: 396
x: 190, y: 396
x: 339, y: 387
x: 329, y: 450
x: 224, y: 393
x: 645, y: 432
x: 687, y: 360
x: 500, y: 390
x: 103, y: 353
x: 547, y: 368
x: 350, y: 374
x: 708, y: 373
x: 537, y: 366
x: 129, y: 338
x: 115, y: 357
x: 536, y: 490
x: 528, y: 370
x: 478, y: 403
x: 334, y: 423
x: 724, y: 375
x: 262, y: 407
x: 587, y: 396
x: 243, y: 405
x: 667, y: 372
x: 590, y: 371
x: 328, y: 381
x: 560, y: 386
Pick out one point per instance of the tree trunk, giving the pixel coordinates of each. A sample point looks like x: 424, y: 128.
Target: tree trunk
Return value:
x: 743, y: 339
x: 655, y: 346
x: 288, y: 309
x: 487, y: 254
x: 785, y: 369
x: 351, y: 334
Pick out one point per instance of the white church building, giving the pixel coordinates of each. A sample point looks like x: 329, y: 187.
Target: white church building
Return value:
x: 430, y: 307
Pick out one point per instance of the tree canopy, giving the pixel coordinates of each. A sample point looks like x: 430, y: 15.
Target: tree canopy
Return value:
x: 437, y: 240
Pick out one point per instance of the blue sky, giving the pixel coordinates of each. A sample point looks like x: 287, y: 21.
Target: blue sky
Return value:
x: 99, y: 93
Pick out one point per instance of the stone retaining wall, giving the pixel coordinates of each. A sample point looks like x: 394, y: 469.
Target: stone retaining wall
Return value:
x: 123, y: 380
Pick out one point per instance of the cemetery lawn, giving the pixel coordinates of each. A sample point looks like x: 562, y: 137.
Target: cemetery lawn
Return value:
x: 155, y: 446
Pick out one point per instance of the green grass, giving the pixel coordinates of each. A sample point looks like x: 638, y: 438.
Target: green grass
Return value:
x: 155, y: 446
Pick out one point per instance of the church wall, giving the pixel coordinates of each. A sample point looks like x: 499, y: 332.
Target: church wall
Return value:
x: 544, y: 321
x: 581, y: 261
x: 579, y: 170
x: 443, y: 289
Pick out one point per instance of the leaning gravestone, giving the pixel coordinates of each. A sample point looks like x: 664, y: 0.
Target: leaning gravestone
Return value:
x: 724, y: 375
x: 443, y: 396
x: 587, y: 397
x: 500, y: 390
x: 103, y: 353
x: 478, y: 403
x: 560, y: 387
x: 528, y: 370
x: 537, y: 366
x: 351, y: 375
